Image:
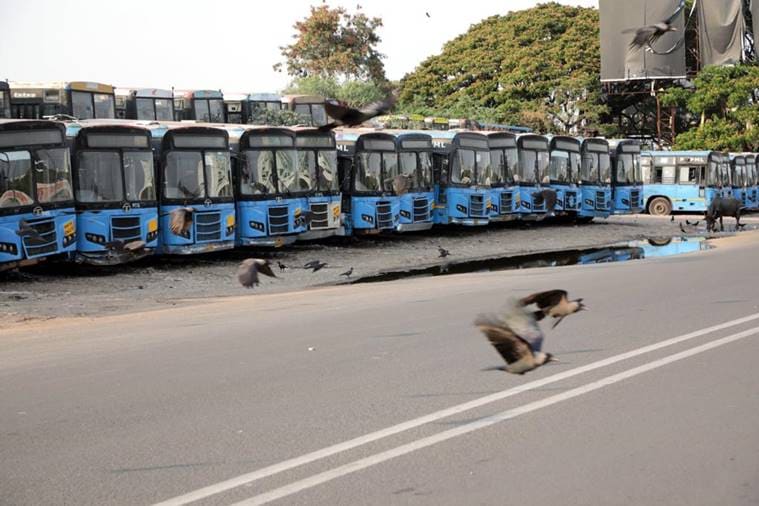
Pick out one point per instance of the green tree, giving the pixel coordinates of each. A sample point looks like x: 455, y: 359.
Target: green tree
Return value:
x: 723, y: 107
x: 537, y: 67
x: 331, y: 42
x: 353, y: 92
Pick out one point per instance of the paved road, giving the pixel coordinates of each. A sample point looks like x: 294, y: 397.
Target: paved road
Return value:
x: 380, y: 394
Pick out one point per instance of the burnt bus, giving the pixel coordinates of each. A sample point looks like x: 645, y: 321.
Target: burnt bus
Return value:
x: 199, y: 105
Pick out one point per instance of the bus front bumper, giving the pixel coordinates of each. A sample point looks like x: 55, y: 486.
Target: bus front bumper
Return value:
x: 268, y: 242
x: 193, y: 249
x: 414, y: 227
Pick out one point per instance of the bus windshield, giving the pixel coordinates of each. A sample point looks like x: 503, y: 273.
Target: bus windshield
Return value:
x: 417, y: 167
x: 558, y: 170
x: 218, y: 173
x: 627, y: 169
x: 533, y: 165
x: 16, y: 184
x: 159, y: 109
x: 52, y: 175
x: 101, y: 176
x: 504, y: 161
x: 183, y: 175
x: 85, y: 105
x: 463, y: 167
x: 209, y: 110
x: 257, y: 176
x: 604, y: 167
x: 319, y: 166
x: 589, y: 170
x: 376, y: 170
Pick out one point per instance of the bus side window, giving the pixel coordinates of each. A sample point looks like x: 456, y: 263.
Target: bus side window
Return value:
x: 658, y: 174
x: 668, y: 175
x: 702, y: 176
x: 687, y: 175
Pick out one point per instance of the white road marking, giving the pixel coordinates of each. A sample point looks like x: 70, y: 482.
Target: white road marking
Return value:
x: 398, y: 451
x: 328, y: 451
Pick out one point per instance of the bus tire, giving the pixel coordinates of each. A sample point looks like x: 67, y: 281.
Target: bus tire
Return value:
x: 660, y: 206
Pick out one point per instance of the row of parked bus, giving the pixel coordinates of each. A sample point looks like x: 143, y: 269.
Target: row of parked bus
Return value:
x: 89, y: 100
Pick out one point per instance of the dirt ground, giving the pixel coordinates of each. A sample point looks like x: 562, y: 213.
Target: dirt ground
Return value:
x: 53, y: 290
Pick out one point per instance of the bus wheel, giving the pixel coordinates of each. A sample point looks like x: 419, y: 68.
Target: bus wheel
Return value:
x: 659, y: 207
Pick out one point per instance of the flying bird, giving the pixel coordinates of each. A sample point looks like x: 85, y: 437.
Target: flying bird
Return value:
x: 281, y: 266
x: 648, y: 35
x: 26, y: 231
x: 443, y: 252
x: 553, y: 303
x: 516, y: 336
x: 427, y: 14
x: 247, y: 273
x: 693, y: 224
x: 545, y: 196
x: 347, y: 116
x: 347, y: 273
x: 181, y: 220
x: 303, y: 219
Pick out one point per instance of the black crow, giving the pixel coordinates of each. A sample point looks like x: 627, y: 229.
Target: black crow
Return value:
x: 443, y: 252
x: 516, y: 336
x: 554, y: 303
x: 347, y: 116
x: 347, y: 273
x: 648, y: 35
x: 281, y: 266
x: 692, y: 224
x: 247, y: 273
x: 317, y: 266
x: 181, y: 220
x: 311, y: 264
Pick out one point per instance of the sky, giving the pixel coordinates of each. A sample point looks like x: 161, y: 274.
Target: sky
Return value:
x: 221, y: 44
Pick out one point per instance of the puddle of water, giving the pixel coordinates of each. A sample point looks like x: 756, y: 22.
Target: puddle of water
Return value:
x: 634, y: 250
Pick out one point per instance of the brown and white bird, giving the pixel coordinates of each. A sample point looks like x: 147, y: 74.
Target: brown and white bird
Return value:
x: 121, y: 247
x: 181, y: 220
x: 344, y: 115
x: 247, y: 273
x: 516, y: 336
x: 553, y: 303
x: 648, y: 35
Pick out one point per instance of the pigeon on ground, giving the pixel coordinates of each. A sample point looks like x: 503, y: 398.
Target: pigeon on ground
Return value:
x: 181, y: 220
x: 247, y: 273
x: 347, y: 116
x: 443, y: 252
x: 347, y: 273
x: 648, y: 35
x: 516, y: 336
x: 554, y: 303
x: 281, y: 266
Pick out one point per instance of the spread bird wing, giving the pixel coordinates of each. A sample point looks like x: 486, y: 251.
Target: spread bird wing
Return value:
x: 510, y: 345
x: 181, y: 219
x: 545, y: 299
x: 265, y: 269
x: 247, y: 273
x: 381, y: 107
x: 337, y: 110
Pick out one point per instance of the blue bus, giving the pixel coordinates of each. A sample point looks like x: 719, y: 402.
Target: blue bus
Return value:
x: 626, y: 176
x: 460, y: 164
x: 317, y: 161
x: 415, y: 170
x: 194, y: 178
x: 753, y: 181
x: 564, y: 173
x: 269, y: 186
x: 684, y: 181
x: 532, y: 170
x: 738, y: 177
x: 595, y: 179
x: 367, y: 167
x: 37, y: 216
x: 504, y: 193
x: 114, y: 179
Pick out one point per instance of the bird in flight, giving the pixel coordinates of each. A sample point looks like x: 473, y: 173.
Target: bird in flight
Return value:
x: 648, y: 35
x: 692, y: 224
x: 315, y: 265
x: 548, y: 197
x: 553, y: 303
x: 427, y: 14
x: 181, y: 220
x: 516, y: 336
x: 347, y: 273
x: 344, y: 115
x: 443, y: 252
x: 247, y: 273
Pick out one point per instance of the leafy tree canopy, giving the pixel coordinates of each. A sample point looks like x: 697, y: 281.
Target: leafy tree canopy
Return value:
x: 725, y: 105
x: 331, y: 42
x: 537, y: 67
x: 353, y: 92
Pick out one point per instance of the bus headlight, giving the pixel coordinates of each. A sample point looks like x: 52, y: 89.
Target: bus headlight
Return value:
x: 96, y: 238
x: 8, y: 248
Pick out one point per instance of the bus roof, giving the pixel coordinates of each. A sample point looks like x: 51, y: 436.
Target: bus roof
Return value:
x: 152, y: 93
x: 91, y: 87
x: 31, y: 125
x: 4, y: 85
x: 565, y: 142
x: 264, y: 97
